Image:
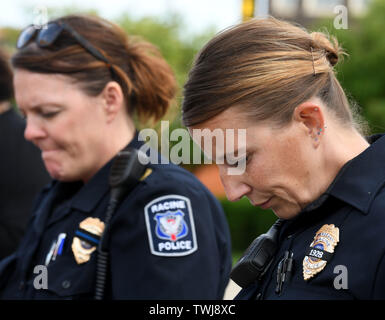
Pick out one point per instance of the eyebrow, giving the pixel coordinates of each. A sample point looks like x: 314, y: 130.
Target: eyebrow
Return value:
x: 39, y: 106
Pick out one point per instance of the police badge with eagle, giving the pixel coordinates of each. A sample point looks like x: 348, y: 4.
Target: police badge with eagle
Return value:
x: 170, y: 226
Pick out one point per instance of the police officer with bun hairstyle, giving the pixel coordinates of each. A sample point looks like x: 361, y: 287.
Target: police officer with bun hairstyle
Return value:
x: 109, y: 226
x: 306, y: 158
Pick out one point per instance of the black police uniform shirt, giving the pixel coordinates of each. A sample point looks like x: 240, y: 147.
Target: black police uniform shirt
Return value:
x: 22, y: 176
x: 355, y: 204
x: 169, y: 239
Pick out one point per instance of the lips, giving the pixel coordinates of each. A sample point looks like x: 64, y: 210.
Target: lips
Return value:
x: 49, y: 154
x: 263, y: 205
x: 48, y: 151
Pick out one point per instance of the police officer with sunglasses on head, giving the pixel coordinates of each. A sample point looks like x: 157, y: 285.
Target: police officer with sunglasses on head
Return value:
x: 107, y: 227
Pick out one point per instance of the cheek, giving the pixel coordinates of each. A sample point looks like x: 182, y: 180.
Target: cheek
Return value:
x: 260, y: 173
x: 278, y: 167
x: 71, y: 145
x: 68, y: 164
x: 296, y: 163
x: 72, y: 133
x: 291, y: 176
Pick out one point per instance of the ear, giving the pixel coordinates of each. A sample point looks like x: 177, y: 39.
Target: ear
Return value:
x: 113, y: 99
x: 311, y: 115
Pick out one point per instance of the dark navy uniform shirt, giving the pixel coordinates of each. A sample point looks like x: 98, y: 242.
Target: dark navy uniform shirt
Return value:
x: 20, y: 161
x: 169, y: 239
x: 355, y: 204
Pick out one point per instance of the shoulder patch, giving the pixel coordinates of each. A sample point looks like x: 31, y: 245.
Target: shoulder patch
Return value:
x: 170, y: 226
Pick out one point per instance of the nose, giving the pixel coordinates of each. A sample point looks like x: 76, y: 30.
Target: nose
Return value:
x: 234, y: 185
x: 33, y: 131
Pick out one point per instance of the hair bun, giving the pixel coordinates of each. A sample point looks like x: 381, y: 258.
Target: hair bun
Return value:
x: 329, y: 44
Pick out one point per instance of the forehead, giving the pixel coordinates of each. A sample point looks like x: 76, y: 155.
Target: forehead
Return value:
x: 235, y: 120
x: 230, y: 131
x: 33, y: 88
x: 231, y: 118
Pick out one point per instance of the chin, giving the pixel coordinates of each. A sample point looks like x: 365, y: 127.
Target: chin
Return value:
x: 286, y: 213
x: 61, y: 175
x: 56, y: 176
x: 60, y: 171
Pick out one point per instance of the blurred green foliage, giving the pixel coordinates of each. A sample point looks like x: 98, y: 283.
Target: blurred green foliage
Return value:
x: 246, y: 222
x: 177, y: 48
x: 362, y: 73
x: 8, y: 38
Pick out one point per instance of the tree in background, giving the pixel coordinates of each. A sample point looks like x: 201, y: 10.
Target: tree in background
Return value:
x: 362, y: 74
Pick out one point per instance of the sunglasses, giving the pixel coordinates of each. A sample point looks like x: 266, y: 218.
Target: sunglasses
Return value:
x: 46, y: 36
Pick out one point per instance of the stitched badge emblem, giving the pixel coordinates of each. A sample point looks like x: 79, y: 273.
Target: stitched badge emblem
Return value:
x: 170, y: 226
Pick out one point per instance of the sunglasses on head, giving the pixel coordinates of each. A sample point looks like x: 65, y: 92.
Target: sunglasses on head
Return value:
x: 46, y: 36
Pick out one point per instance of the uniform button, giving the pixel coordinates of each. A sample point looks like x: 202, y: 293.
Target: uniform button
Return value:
x: 66, y: 284
x: 289, y: 236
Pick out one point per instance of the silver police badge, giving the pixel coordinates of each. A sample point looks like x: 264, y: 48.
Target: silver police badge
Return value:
x: 320, y: 251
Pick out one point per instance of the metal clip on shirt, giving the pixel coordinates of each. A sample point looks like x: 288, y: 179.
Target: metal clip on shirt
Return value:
x: 285, y: 267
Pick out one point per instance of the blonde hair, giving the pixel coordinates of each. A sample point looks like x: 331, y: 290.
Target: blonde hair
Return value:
x: 267, y: 67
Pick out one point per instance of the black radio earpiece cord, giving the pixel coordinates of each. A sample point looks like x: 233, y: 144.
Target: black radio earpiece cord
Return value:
x: 126, y: 171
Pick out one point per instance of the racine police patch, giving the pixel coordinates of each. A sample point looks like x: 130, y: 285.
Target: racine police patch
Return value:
x: 170, y: 226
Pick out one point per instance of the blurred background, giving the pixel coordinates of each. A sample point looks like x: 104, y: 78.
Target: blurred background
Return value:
x: 181, y: 27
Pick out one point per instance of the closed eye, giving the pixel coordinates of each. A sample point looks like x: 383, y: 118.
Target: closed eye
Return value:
x: 235, y: 164
x: 48, y: 115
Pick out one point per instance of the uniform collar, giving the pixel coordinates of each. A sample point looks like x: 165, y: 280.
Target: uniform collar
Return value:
x: 96, y: 188
x: 360, y: 179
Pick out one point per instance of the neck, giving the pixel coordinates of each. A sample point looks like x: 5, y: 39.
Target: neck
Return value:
x: 119, y: 138
x: 124, y: 135
x: 348, y: 145
x: 338, y: 147
x: 4, y: 106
